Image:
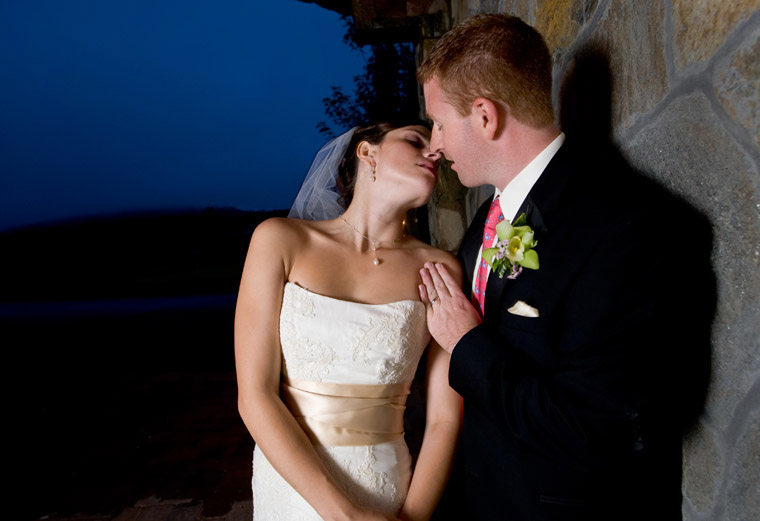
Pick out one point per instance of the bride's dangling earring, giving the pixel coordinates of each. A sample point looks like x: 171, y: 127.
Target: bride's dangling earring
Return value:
x: 372, y: 175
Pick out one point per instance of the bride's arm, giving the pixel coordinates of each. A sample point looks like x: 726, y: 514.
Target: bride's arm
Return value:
x: 257, y: 362
x: 442, y: 422
x: 441, y: 431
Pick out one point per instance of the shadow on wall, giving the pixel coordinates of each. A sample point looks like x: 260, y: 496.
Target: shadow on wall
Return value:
x: 684, y: 235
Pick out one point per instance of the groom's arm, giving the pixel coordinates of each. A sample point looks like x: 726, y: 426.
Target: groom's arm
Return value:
x: 610, y: 357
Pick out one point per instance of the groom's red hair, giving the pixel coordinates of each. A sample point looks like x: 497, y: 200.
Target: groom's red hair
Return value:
x: 498, y: 57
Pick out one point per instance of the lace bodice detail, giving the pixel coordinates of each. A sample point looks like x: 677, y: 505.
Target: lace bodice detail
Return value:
x: 331, y: 340
x: 325, y: 339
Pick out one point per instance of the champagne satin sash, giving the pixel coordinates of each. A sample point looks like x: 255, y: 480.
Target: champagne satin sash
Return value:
x: 334, y: 414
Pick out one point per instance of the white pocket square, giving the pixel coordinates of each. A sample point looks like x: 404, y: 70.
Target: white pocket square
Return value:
x: 524, y: 310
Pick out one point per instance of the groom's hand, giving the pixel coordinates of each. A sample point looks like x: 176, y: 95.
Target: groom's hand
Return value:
x: 449, y: 312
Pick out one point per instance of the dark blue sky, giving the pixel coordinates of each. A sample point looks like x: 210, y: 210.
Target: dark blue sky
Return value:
x: 111, y: 106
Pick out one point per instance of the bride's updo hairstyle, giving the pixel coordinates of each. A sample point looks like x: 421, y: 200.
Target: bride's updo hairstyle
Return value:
x: 373, y: 134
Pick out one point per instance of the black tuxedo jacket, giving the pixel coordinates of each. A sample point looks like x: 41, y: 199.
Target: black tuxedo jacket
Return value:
x: 570, y: 415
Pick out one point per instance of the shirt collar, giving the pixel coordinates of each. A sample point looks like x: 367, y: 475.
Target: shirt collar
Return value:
x: 513, y: 195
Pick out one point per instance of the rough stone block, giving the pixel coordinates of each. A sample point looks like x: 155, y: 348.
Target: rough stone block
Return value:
x: 703, y: 468
x: 633, y: 33
x: 560, y: 21
x: 465, y: 9
x: 743, y: 497
x: 451, y: 227
x: 688, y: 151
x: 523, y: 9
x: 700, y: 27
x: 737, y: 85
x: 447, y: 211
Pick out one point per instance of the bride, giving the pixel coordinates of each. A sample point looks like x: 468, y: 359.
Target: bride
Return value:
x: 329, y: 330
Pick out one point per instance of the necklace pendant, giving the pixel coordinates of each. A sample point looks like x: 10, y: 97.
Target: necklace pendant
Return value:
x: 373, y: 243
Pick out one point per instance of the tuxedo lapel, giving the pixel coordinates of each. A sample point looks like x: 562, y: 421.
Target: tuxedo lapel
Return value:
x: 543, y: 198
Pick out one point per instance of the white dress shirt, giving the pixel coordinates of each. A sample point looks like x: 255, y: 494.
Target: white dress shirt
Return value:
x: 513, y: 195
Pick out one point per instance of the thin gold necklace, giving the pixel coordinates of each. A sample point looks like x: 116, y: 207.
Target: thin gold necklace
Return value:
x: 374, y: 243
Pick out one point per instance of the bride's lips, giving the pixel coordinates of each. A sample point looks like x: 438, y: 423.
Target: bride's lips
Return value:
x: 430, y: 167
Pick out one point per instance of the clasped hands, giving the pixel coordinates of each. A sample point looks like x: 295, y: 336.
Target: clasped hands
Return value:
x: 450, y: 315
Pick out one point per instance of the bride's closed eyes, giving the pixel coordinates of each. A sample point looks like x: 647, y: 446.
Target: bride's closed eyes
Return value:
x: 417, y: 141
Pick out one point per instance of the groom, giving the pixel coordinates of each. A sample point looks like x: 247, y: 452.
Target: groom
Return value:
x: 567, y: 371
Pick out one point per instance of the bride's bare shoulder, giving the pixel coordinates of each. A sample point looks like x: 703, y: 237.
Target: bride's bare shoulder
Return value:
x: 276, y: 242
x: 284, y: 231
x: 430, y: 253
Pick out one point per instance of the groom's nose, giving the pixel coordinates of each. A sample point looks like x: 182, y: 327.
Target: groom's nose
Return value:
x: 432, y: 154
x: 436, y: 144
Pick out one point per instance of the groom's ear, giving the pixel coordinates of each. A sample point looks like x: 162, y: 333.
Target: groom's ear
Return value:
x: 485, y: 116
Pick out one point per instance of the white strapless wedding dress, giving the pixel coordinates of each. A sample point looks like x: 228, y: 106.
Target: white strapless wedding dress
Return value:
x: 346, y: 370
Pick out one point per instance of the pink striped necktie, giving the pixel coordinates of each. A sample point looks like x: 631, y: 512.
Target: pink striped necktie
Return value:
x: 489, y: 232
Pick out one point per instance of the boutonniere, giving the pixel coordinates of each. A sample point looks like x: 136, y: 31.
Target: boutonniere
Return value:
x: 514, y: 249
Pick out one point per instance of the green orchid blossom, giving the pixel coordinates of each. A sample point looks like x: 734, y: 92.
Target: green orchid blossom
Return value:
x: 514, y: 248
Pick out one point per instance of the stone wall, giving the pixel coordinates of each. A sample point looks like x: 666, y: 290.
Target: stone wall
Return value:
x: 685, y: 109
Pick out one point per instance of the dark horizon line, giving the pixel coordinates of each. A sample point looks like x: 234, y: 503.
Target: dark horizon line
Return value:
x: 121, y: 214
